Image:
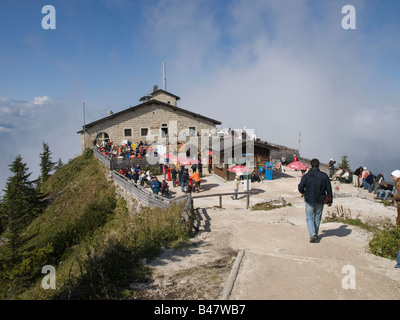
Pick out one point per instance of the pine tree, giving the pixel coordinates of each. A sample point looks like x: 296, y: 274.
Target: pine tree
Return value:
x: 345, y: 164
x: 2, y: 218
x: 46, y: 165
x: 20, y: 204
x: 59, y: 164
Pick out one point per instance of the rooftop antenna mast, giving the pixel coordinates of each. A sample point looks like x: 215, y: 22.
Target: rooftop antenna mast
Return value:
x: 164, y: 78
x: 84, y: 128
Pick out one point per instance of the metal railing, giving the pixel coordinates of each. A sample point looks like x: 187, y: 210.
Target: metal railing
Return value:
x: 150, y: 199
x: 220, y: 195
x: 114, y: 163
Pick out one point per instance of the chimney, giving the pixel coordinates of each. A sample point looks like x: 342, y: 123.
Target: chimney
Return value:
x: 155, y: 88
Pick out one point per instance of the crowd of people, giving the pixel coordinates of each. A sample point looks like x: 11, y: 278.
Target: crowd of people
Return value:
x: 125, y: 151
x: 366, y: 179
x: 179, y: 174
x: 179, y: 177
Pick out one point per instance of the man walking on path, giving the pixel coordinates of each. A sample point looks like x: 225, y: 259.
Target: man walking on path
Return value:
x: 316, y: 187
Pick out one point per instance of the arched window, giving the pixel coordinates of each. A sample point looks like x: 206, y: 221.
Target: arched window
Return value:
x: 101, y: 137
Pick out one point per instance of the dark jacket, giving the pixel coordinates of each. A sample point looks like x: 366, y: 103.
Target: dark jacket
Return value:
x: 173, y: 174
x: 308, y: 186
x: 155, y: 185
x: 185, y: 177
x: 358, y: 171
x: 370, y: 179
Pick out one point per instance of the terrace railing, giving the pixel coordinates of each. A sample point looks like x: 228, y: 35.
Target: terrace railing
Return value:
x: 115, y: 163
x: 149, y: 199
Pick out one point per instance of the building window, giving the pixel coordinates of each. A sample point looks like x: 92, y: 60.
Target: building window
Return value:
x: 144, y: 132
x: 192, y: 131
x: 164, y: 130
x: 102, y: 137
x: 127, y: 132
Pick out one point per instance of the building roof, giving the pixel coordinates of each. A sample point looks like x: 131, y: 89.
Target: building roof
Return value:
x: 157, y: 92
x: 257, y: 143
x: 147, y: 103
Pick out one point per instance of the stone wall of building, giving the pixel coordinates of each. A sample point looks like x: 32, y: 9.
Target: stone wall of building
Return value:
x: 166, y: 98
x: 151, y: 117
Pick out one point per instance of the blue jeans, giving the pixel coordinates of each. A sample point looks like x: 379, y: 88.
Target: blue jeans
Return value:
x: 368, y: 186
x: 235, y: 195
x: 398, y: 260
x: 313, y: 217
x: 183, y: 185
x: 383, y: 194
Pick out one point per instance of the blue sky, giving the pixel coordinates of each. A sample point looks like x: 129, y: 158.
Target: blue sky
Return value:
x: 277, y: 66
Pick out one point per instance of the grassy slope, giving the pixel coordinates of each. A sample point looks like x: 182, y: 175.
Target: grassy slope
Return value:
x: 96, y: 244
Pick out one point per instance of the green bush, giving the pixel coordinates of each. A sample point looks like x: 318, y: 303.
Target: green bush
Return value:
x: 95, y: 215
x: 270, y: 205
x: 95, y: 243
x: 105, y: 272
x: 14, y: 279
x: 386, y: 243
x: 113, y: 259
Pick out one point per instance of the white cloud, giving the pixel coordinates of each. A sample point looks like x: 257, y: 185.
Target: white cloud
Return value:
x: 28, y: 125
x: 292, y: 70
x: 5, y: 110
x: 40, y: 100
x: 4, y: 129
x: 10, y: 108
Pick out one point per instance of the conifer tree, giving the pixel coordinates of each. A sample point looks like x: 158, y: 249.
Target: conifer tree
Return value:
x: 20, y: 204
x: 59, y: 164
x: 345, y: 163
x: 46, y: 165
x: 2, y: 218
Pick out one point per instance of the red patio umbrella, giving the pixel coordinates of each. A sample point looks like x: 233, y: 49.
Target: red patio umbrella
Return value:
x: 297, y: 165
x: 185, y: 161
x: 239, y: 169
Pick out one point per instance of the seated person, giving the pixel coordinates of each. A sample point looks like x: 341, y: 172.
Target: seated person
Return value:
x: 379, y: 182
x: 383, y: 194
x: 345, y: 177
x: 337, y: 174
x: 255, y: 177
x: 164, y: 188
x: 135, y: 176
x: 155, y: 185
x: 128, y: 173
x: 142, y: 178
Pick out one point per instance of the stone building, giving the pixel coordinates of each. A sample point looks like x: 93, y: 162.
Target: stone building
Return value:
x: 156, y: 116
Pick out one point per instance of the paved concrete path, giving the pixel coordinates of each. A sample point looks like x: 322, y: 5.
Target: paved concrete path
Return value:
x: 279, y: 262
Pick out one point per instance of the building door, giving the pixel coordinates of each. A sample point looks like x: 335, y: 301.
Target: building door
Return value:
x: 102, y: 137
